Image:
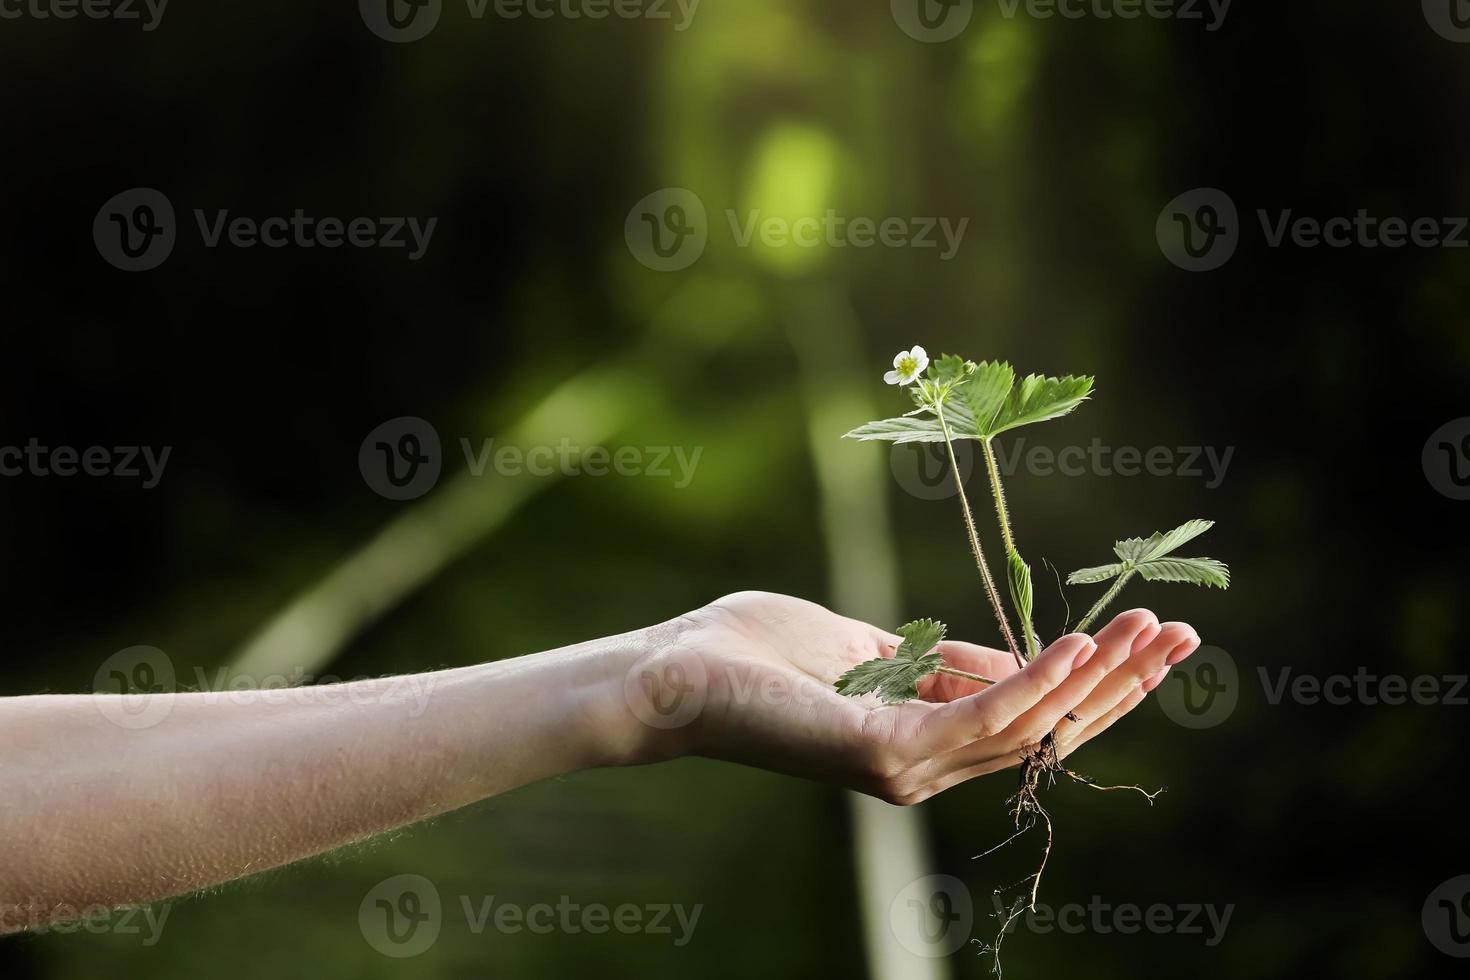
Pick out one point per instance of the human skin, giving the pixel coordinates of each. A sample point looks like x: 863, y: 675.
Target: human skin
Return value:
x: 100, y: 815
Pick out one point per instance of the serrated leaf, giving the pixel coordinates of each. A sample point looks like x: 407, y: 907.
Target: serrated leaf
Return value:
x: 948, y: 368
x: 1196, y: 571
x: 1019, y: 574
x: 1090, y: 576
x: 1165, y: 544
x: 1038, y: 398
x: 899, y: 430
x: 896, y: 679
x: 1133, y: 549
x: 985, y: 393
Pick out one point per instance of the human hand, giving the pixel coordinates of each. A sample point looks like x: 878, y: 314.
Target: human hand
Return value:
x: 762, y: 666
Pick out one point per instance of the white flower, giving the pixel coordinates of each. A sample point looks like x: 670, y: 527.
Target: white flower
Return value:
x: 907, y: 367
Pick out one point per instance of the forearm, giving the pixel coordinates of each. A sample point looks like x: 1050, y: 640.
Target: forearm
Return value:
x: 232, y: 783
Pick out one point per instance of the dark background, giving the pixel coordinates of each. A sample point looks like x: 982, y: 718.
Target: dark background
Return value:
x: 1327, y: 369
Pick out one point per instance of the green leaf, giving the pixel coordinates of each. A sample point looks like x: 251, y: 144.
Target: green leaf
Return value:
x: 1020, y: 580
x: 1196, y: 571
x: 1039, y: 398
x: 905, y: 429
x: 1164, y: 544
x: 948, y: 368
x: 1133, y: 549
x: 896, y: 679
x: 1090, y: 576
x: 985, y: 393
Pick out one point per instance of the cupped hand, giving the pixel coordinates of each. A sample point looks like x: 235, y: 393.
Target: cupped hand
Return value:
x: 769, y: 662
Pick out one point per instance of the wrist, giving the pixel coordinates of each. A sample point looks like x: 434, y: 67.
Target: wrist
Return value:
x: 639, y: 697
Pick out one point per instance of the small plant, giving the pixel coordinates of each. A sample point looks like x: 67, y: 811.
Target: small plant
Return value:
x: 955, y: 399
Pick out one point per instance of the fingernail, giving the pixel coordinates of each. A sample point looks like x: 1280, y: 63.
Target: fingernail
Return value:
x: 1085, y: 655
x: 1146, y: 637
x: 1181, y: 651
x: 1155, y: 680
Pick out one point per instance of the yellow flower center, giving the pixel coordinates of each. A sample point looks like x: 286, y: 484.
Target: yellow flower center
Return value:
x: 907, y: 367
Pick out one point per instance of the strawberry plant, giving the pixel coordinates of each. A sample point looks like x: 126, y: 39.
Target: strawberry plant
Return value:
x: 956, y: 399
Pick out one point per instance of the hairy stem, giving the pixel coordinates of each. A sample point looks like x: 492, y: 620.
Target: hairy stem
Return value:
x: 1000, y: 495
x: 979, y: 552
x: 1102, y: 603
x: 997, y: 490
x: 956, y: 672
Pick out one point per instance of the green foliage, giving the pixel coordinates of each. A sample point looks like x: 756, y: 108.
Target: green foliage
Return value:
x: 979, y: 401
x: 1150, y: 557
x: 962, y: 399
x: 896, y: 679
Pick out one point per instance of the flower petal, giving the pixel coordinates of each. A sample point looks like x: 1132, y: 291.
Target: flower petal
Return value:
x: 892, y: 378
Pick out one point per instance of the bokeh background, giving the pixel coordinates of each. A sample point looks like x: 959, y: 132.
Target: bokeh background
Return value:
x: 531, y: 318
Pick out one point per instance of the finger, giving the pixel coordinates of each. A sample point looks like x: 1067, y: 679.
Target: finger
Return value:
x: 989, y: 712
x: 1149, y: 654
x: 1069, y: 741
x: 995, y: 665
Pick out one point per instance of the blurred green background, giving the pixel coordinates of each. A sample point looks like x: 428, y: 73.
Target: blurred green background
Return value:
x: 1325, y: 370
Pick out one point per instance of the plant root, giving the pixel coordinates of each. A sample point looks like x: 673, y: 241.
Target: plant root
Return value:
x: 1040, y: 767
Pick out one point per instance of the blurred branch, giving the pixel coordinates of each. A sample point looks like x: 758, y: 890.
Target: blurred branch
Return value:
x: 415, y: 546
x: 889, y: 845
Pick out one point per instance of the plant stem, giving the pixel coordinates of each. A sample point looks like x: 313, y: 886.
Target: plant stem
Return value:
x: 991, y: 593
x: 1102, y: 603
x: 955, y: 672
x: 1000, y: 495
x: 997, y: 490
